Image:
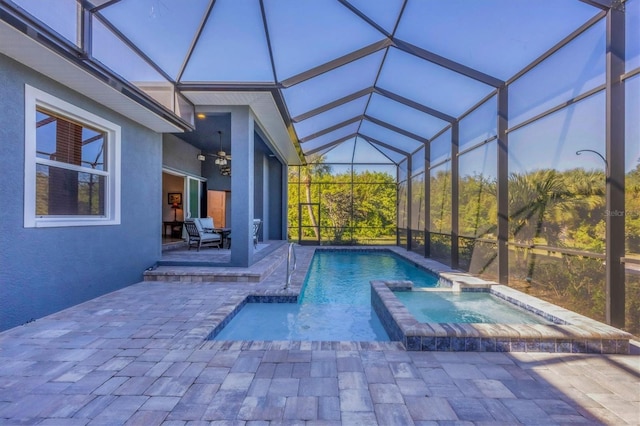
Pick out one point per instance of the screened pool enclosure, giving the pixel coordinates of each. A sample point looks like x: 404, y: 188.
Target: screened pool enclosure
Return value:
x: 499, y: 137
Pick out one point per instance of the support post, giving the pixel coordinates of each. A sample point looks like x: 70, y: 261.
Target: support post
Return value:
x: 398, y: 205
x: 266, y: 190
x: 242, y: 186
x: 503, y: 183
x: 455, y: 243
x: 427, y: 200
x: 615, y: 149
x: 84, y: 32
x: 409, y: 197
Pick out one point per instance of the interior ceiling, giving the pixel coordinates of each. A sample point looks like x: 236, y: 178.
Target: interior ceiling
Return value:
x: 386, y: 74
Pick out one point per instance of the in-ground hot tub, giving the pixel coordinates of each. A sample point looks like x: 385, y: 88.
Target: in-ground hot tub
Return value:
x: 559, y: 330
x: 468, y: 307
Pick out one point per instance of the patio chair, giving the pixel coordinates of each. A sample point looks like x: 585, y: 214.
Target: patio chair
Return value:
x: 257, y: 224
x: 198, y: 237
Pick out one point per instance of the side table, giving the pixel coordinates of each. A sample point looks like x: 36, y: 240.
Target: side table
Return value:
x: 224, y: 233
x: 173, y: 229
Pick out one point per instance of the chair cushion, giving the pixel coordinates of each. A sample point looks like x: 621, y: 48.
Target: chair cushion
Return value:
x: 210, y: 237
x: 198, y: 225
x: 206, y: 222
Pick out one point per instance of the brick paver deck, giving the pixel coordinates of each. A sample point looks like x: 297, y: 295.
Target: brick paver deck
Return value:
x: 134, y: 357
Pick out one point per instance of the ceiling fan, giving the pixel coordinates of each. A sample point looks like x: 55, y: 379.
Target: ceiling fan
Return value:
x: 222, y: 159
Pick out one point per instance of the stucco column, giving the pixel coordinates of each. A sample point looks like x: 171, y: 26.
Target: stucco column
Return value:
x: 242, y: 186
x: 265, y: 198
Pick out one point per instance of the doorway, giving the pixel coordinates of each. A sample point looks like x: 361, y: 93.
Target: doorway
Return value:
x: 217, y: 207
x: 187, y: 190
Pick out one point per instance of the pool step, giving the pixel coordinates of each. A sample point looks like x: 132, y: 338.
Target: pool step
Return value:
x: 197, y: 273
x: 203, y: 274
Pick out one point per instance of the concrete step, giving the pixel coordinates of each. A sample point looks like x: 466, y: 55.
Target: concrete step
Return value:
x: 202, y: 273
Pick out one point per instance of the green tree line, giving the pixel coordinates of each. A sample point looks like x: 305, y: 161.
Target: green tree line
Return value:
x: 341, y: 208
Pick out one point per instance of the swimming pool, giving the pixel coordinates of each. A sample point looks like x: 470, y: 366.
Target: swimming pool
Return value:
x: 568, y: 332
x: 335, y: 301
x: 464, y: 307
x: 304, y: 321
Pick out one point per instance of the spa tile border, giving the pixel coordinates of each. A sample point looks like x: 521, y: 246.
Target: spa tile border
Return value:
x: 570, y: 333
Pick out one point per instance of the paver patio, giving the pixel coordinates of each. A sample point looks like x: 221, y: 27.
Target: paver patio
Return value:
x: 130, y: 357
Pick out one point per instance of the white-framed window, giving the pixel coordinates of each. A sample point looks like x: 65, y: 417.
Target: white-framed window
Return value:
x: 72, y: 164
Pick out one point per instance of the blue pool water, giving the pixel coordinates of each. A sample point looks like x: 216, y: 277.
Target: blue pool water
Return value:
x: 344, y: 276
x: 304, y: 321
x: 465, y: 307
x: 335, y: 303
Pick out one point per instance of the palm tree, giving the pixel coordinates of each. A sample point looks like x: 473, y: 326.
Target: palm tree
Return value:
x: 537, y: 195
x: 314, y: 168
x: 542, y: 195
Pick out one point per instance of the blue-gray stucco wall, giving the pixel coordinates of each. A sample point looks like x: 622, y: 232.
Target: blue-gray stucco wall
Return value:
x: 44, y: 270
